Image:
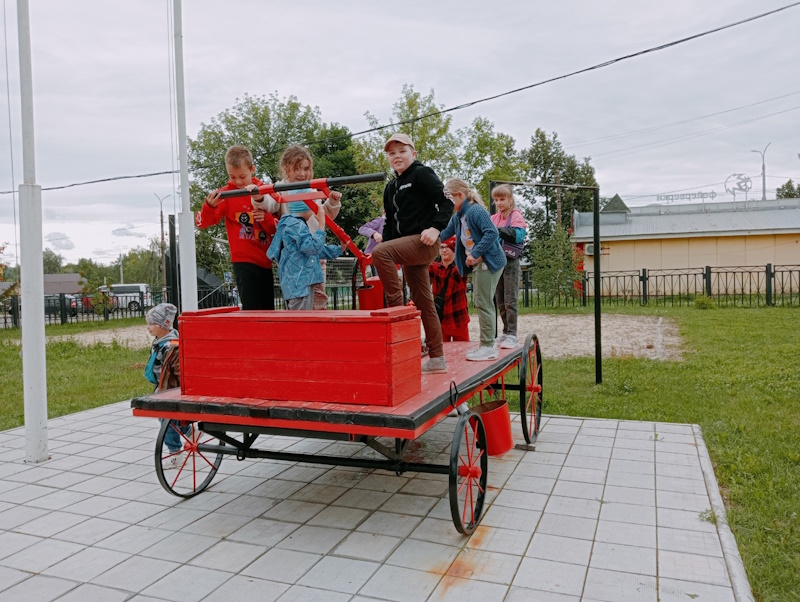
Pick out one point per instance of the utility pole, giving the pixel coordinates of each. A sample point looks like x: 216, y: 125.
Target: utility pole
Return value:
x: 186, y: 218
x: 121, y: 277
x: 34, y: 373
x: 763, y: 172
x: 163, y: 248
x: 558, y: 200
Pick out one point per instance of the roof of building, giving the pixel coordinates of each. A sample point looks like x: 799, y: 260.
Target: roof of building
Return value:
x: 680, y: 221
x: 616, y: 204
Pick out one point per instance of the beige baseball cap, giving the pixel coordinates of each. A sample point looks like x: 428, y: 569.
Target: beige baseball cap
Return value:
x: 401, y: 138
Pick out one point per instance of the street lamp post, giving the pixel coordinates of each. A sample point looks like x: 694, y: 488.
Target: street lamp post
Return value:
x: 163, y: 248
x: 763, y: 172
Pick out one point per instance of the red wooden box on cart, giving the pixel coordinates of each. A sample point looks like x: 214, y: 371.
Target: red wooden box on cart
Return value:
x: 352, y: 357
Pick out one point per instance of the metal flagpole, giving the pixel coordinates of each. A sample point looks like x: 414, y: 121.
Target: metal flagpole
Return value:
x: 34, y: 380
x: 185, y: 218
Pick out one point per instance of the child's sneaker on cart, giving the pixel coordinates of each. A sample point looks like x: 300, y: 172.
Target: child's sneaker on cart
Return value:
x: 435, y: 365
x: 499, y: 340
x: 174, y: 461
x: 483, y: 354
x: 510, y: 342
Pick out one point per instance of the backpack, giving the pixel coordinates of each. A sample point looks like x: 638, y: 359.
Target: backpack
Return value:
x: 170, y: 369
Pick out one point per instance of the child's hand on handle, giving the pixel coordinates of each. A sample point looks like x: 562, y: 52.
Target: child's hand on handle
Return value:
x: 257, y: 197
x: 336, y: 196
x: 213, y: 199
x: 429, y: 236
x: 378, y: 237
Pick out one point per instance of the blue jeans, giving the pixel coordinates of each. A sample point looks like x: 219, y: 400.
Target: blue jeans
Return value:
x: 172, y: 439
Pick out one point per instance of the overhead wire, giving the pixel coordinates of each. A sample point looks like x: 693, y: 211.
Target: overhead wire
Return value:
x: 11, y: 141
x: 485, y: 99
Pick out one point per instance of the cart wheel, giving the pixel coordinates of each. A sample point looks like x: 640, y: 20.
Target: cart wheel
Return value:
x: 469, y: 470
x: 530, y: 388
x: 195, y: 466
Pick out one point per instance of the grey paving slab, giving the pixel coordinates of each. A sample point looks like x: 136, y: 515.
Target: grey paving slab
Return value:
x: 187, y: 584
x: 39, y: 588
x: 594, y: 514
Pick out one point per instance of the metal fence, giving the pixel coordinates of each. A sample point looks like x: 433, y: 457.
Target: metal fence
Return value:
x: 728, y: 286
x: 750, y: 286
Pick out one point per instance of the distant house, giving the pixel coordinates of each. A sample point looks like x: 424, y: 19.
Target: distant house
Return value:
x: 71, y: 284
x: 663, y: 237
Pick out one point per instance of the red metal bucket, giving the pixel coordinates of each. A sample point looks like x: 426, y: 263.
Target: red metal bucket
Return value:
x: 370, y: 296
x: 497, y: 422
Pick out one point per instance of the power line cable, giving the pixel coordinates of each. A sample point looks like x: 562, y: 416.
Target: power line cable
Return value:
x: 465, y: 105
x: 11, y: 142
x: 667, y: 141
x: 681, y: 122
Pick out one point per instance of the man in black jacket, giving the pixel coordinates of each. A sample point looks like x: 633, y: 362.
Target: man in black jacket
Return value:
x: 416, y: 211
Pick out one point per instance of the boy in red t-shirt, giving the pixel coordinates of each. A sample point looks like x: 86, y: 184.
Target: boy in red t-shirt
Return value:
x: 249, y: 230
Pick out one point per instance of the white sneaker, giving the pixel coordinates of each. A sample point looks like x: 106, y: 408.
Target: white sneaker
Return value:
x: 174, y: 462
x: 510, y: 342
x: 482, y: 354
x: 500, y: 339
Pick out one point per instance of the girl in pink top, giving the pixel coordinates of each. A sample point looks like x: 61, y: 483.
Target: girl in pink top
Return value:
x: 512, y: 228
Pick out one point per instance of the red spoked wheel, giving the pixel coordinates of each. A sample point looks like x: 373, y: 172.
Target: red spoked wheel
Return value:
x: 530, y: 386
x: 190, y: 470
x: 469, y: 471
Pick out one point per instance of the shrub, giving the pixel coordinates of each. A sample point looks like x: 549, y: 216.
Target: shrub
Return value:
x: 704, y: 302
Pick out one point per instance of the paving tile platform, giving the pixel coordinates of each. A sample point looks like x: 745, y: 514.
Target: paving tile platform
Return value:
x: 603, y: 510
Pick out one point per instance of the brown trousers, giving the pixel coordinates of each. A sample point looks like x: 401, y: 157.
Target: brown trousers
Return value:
x: 415, y: 257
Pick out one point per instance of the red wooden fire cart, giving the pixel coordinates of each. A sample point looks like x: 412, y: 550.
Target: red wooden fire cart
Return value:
x: 351, y: 375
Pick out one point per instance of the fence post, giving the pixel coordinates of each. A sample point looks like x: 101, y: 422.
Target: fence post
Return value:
x: 707, y: 279
x: 585, y: 283
x: 526, y: 285
x: 335, y: 297
x: 62, y: 307
x: 141, y: 303
x: 770, y: 276
x: 643, y: 280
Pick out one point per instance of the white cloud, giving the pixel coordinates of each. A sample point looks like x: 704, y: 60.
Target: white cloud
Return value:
x: 59, y: 241
x: 102, y: 93
x: 128, y: 230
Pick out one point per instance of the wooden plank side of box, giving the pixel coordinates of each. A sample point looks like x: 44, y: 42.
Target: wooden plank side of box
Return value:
x: 353, y: 392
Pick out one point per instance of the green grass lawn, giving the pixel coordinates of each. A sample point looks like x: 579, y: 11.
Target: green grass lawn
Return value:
x: 739, y: 380
x: 78, y: 377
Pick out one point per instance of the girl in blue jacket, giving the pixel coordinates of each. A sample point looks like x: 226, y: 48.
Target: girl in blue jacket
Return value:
x: 478, y: 251
x: 297, y: 252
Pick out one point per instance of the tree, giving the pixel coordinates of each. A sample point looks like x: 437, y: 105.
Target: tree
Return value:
x: 487, y: 155
x: 554, y: 269
x: 144, y: 265
x: 435, y: 143
x: 788, y: 191
x: 266, y: 125
x: 545, y: 161
x: 52, y: 262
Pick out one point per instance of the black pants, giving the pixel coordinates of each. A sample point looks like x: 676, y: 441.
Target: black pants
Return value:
x: 256, y: 286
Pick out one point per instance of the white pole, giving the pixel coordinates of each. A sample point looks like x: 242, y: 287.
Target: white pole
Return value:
x: 34, y: 374
x: 188, y: 261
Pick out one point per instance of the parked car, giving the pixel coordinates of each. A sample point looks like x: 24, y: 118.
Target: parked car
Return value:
x: 130, y: 295
x: 52, y: 305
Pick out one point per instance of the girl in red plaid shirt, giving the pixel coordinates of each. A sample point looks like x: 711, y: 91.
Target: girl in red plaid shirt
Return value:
x: 455, y: 323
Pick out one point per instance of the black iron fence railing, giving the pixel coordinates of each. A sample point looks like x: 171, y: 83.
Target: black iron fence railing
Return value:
x: 754, y: 286
x: 750, y: 286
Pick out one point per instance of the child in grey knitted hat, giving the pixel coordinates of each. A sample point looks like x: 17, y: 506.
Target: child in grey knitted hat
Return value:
x: 159, y: 325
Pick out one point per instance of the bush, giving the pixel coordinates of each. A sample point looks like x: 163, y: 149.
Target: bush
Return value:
x: 704, y: 302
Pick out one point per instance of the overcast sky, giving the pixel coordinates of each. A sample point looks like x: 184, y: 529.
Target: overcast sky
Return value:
x: 102, y: 92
